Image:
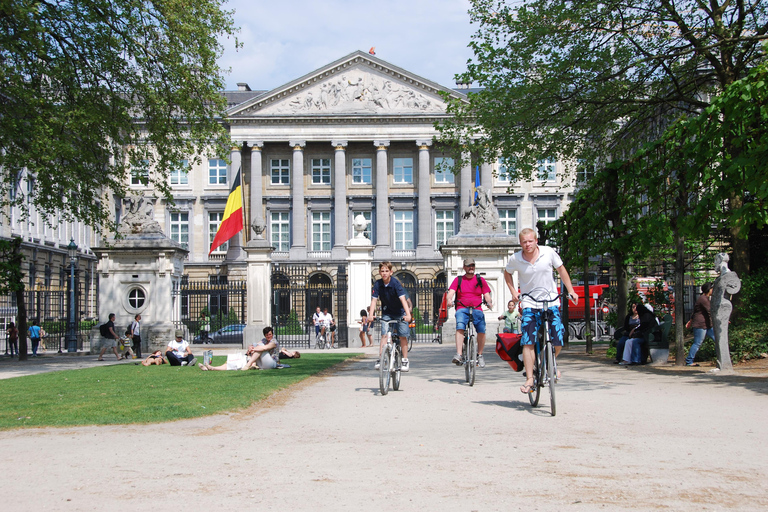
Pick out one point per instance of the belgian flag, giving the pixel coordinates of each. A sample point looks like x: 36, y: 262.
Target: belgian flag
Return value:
x: 232, y: 223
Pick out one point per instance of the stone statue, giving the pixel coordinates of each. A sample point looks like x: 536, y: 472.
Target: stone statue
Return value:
x: 728, y: 283
x: 138, y: 216
x: 360, y: 224
x: 259, y: 227
x: 483, y: 217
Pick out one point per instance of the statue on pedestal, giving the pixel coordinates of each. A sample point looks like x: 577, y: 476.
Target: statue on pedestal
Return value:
x: 728, y: 283
x: 483, y: 217
x: 138, y: 216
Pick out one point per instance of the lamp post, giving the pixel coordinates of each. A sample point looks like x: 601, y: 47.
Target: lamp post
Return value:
x: 71, y: 336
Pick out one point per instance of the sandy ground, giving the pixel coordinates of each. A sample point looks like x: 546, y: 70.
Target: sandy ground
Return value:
x: 623, y: 439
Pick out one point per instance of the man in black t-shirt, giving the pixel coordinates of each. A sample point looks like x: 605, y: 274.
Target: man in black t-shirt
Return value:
x: 393, y: 307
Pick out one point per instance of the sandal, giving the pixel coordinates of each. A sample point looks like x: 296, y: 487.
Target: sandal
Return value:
x: 527, y: 388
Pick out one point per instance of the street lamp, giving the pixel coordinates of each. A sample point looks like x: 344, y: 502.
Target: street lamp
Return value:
x: 71, y: 336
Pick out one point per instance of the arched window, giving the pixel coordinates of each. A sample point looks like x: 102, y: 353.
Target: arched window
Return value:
x: 319, y: 293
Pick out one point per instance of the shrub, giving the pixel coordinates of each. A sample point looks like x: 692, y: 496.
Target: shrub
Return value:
x: 746, y: 341
x: 754, y: 301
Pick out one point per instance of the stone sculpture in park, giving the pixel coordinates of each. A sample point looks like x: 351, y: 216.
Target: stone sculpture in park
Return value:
x: 725, y: 285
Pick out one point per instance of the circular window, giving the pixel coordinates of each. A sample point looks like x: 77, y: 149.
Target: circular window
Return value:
x: 136, y: 298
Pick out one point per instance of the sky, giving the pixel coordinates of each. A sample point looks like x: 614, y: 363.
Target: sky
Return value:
x: 286, y: 39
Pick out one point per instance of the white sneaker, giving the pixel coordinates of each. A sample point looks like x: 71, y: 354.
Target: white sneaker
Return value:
x: 405, y: 366
x: 183, y: 363
x: 480, y: 361
x: 377, y: 365
x: 457, y: 360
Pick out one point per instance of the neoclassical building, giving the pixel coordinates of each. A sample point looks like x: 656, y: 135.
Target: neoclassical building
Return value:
x: 356, y: 136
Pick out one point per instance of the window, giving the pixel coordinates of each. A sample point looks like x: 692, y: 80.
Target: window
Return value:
x: 140, y: 173
x: 368, y: 233
x: 179, y: 229
x: 403, y: 170
x: 280, y: 230
x: 321, y: 231
x: 214, y: 219
x: 403, y: 230
x: 217, y: 172
x: 509, y: 221
x: 443, y: 226
x: 180, y: 174
x: 361, y: 170
x: 506, y: 170
x: 546, y: 214
x: 280, y: 169
x: 321, y: 171
x: 444, y: 170
x: 584, y: 171
x: 547, y: 170
x: 136, y: 298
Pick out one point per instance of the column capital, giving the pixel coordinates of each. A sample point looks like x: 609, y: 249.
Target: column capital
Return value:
x: 424, y: 144
x: 255, y: 145
x: 297, y: 145
x: 381, y: 144
x: 339, y: 145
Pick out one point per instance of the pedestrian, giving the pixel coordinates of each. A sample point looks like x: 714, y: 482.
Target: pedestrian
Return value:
x: 365, y: 328
x: 34, y: 335
x: 109, y: 338
x: 136, y: 335
x: 701, y: 322
x: 13, y: 338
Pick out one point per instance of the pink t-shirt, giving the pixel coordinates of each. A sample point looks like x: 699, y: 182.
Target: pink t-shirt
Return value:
x: 470, y: 294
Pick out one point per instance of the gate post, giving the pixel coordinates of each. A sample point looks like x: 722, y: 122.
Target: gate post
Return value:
x: 258, y: 298
x: 360, y: 252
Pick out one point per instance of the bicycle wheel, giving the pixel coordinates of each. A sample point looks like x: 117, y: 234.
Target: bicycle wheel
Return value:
x: 384, y: 370
x: 319, y: 341
x: 551, y: 377
x: 398, y: 356
x: 533, y: 396
x: 472, y: 360
x: 465, y: 354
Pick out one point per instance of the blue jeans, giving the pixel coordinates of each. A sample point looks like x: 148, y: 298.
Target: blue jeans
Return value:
x: 698, y: 339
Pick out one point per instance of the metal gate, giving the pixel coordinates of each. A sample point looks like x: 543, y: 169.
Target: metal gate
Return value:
x: 297, y: 290
x: 212, y: 310
x: 426, y: 296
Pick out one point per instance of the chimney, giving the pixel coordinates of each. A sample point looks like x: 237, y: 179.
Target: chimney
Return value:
x: 242, y: 86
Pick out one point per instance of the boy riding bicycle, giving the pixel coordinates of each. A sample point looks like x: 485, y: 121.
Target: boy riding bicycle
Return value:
x: 534, y: 265
x: 470, y: 291
x: 393, y: 307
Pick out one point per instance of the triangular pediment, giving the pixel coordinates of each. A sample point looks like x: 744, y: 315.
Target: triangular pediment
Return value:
x: 358, y: 84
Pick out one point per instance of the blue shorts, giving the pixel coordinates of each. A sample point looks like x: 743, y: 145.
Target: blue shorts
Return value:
x: 478, y: 318
x: 532, y: 319
x: 402, y: 326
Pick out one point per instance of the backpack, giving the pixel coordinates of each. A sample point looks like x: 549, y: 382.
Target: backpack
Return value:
x: 458, y: 288
x: 104, y: 330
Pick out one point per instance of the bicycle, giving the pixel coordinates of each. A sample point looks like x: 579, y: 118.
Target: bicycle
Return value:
x: 545, y: 362
x: 390, y: 361
x: 321, y: 340
x: 470, y: 347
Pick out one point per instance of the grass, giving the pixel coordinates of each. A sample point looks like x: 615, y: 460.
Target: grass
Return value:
x: 128, y: 393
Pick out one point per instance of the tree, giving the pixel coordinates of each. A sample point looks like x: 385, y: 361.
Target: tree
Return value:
x: 94, y: 90
x: 593, y: 80
x: 12, y: 281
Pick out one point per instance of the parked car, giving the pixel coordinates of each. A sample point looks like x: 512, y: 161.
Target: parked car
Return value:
x: 230, y: 334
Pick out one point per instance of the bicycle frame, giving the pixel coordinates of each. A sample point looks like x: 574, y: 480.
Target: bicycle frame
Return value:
x: 545, y: 362
x: 469, y: 350
x: 390, y: 359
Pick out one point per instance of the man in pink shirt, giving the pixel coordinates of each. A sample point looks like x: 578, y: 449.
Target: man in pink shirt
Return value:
x: 470, y: 290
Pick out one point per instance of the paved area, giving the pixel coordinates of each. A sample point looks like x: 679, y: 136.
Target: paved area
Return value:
x: 623, y: 439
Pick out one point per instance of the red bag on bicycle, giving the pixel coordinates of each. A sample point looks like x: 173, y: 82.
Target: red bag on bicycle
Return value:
x: 509, y: 349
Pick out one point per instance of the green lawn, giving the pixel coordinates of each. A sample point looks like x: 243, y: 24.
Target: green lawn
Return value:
x: 137, y: 394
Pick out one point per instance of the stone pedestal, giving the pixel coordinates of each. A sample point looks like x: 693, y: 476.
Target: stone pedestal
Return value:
x: 491, y: 253
x: 137, y: 275
x: 360, y: 256
x: 259, y: 296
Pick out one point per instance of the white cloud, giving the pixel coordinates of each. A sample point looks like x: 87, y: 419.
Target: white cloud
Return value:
x: 284, y: 40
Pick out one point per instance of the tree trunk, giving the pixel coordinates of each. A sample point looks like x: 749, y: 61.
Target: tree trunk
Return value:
x: 679, y: 303
x: 622, y: 287
x: 587, y: 326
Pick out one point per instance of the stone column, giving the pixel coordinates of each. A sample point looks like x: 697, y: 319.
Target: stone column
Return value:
x: 235, y: 251
x: 259, y: 289
x: 256, y: 216
x: 383, y: 248
x: 465, y: 185
x: 359, y: 290
x: 486, y: 175
x: 339, y: 199
x: 299, y: 214
x: 424, y: 246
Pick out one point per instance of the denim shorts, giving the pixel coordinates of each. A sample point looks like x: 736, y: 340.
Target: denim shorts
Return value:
x: 402, y: 327
x: 478, y: 318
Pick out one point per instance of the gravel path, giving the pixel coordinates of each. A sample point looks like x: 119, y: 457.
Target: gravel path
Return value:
x: 623, y: 439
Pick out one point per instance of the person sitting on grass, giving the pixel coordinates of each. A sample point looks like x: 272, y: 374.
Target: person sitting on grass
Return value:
x: 264, y: 355
x: 155, y: 358
x: 178, y: 352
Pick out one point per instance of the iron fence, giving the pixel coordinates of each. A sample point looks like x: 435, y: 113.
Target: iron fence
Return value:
x: 211, y: 309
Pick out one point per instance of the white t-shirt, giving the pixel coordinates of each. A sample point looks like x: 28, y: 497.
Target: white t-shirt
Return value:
x: 536, y: 276
x: 179, y: 347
